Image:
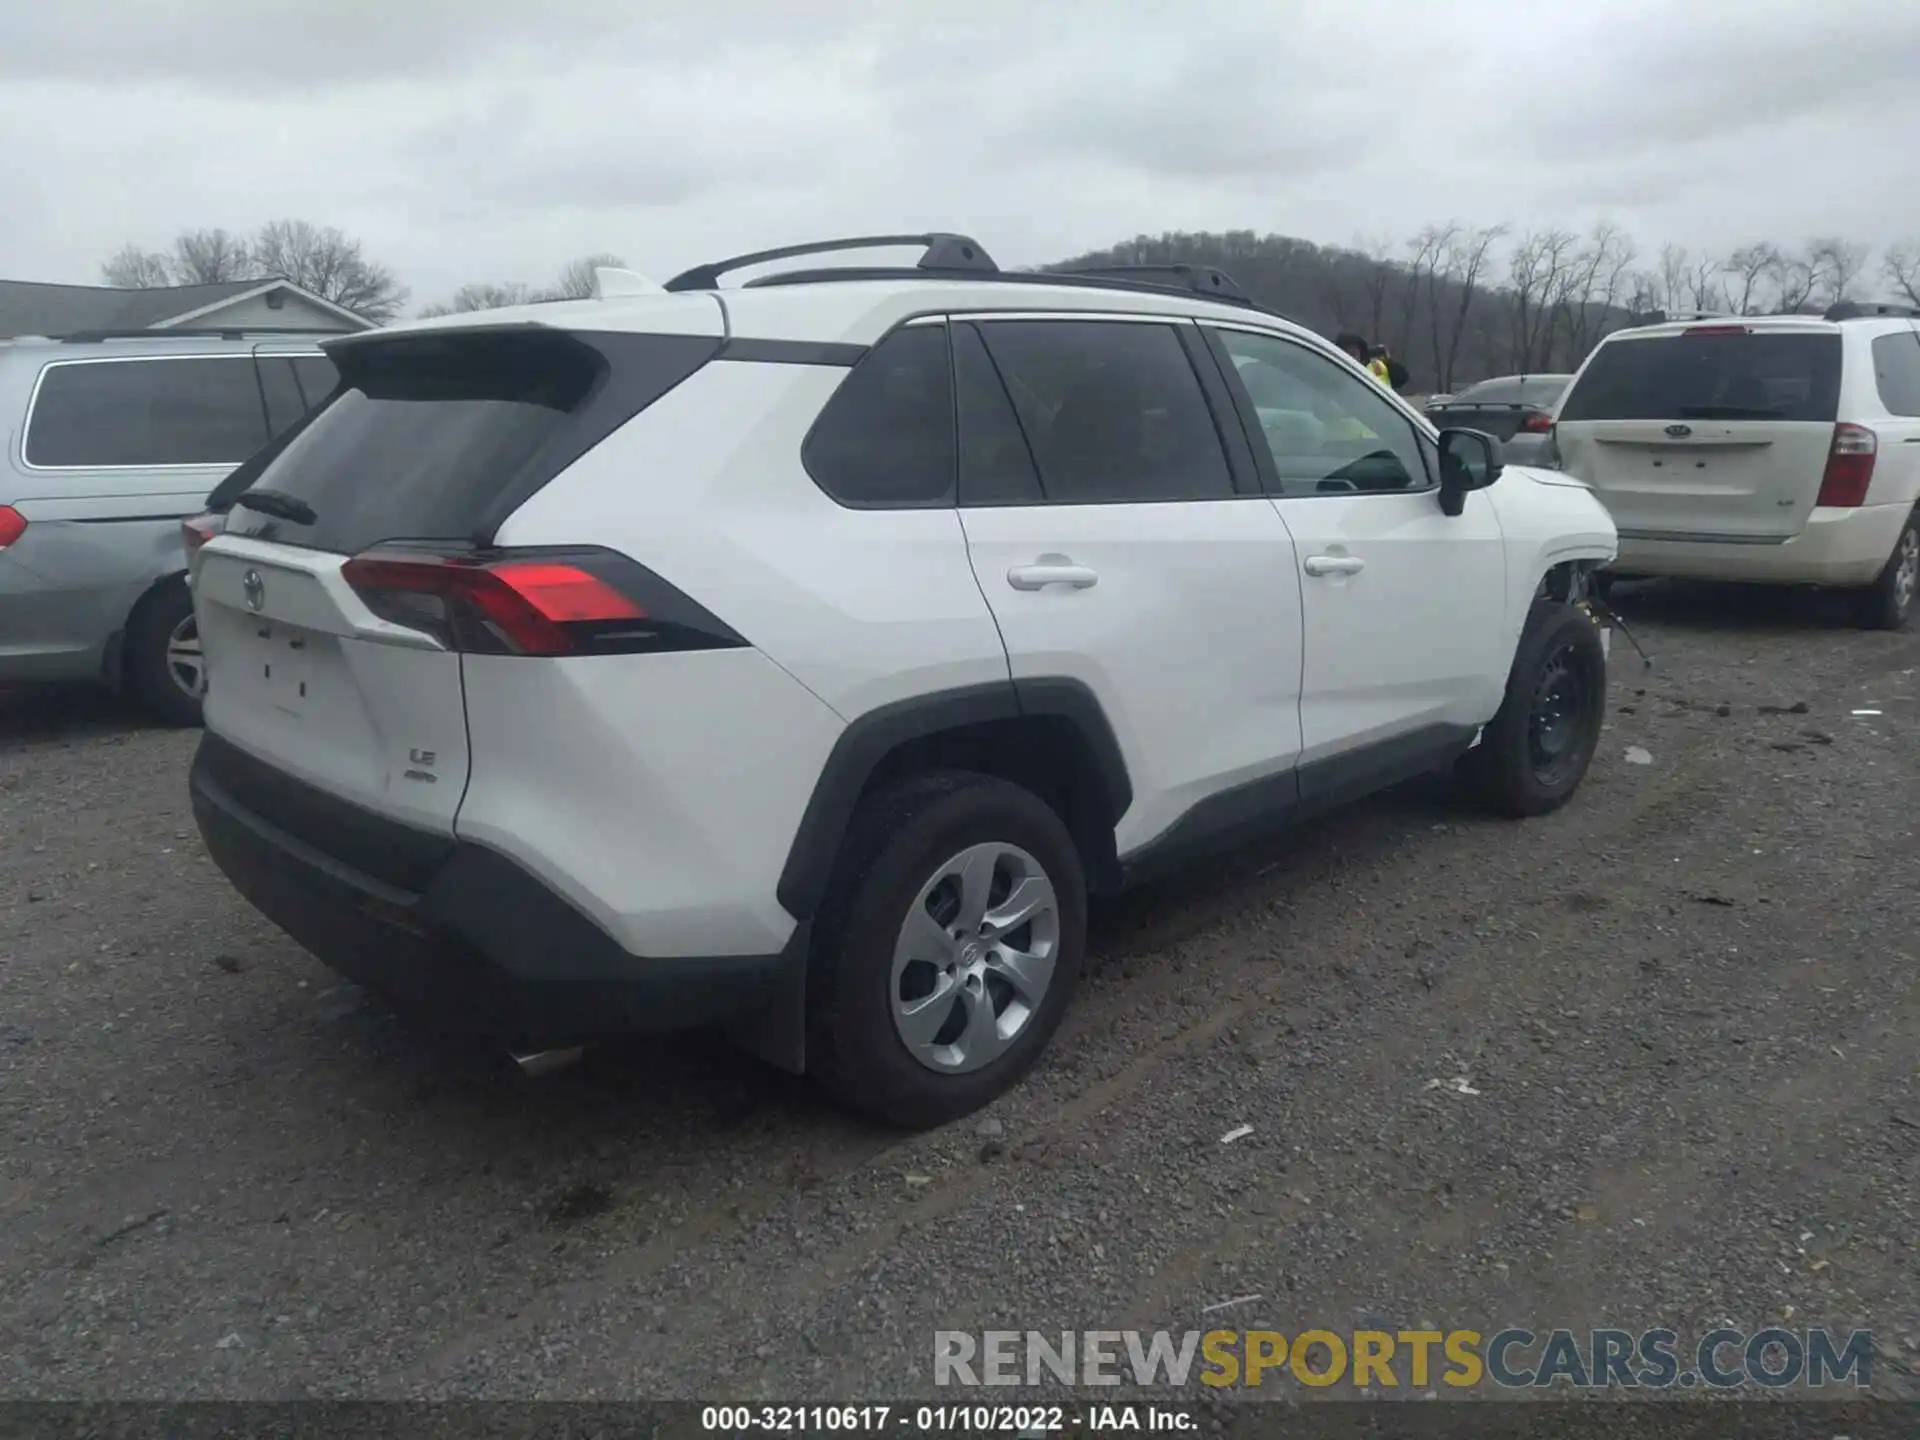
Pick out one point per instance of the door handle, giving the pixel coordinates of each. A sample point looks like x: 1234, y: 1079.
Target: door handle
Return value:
x: 1051, y: 571
x: 1911, y: 440
x: 1334, y: 565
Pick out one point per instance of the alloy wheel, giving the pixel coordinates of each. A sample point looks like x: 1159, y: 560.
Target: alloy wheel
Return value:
x: 974, y: 957
x: 186, y: 662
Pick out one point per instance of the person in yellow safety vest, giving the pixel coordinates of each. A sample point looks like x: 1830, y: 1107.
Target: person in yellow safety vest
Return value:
x: 1364, y: 356
x: 1348, y: 428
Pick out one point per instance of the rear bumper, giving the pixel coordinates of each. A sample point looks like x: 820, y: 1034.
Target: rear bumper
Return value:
x: 454, y: 932
x: 1836, y: 547
x: 1528, y: 449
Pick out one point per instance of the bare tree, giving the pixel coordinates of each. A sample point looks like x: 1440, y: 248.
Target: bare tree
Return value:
x: 1643, y: 292
x: 323, y: 261
x: 1433, y: 251
x: 316, y: 258
x: 207, y: 257
x: 1795, y: 281
x: 1703, y: 282
x: 1836, y: 263
x: 1589, y: 287
x: 1466, y: 261
x: 1534, y: 270
x: 1901, y: 266
x: 1422, y: 250
x: 577, y: 280
x: 1750, y: 271
x: 469, y: 298
x: 1671, y: 280
x: 136, y: 269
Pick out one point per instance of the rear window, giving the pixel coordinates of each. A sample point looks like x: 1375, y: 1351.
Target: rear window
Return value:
x: 1513, y: 390
x: 199, y: 410
x: 1756, y: 376
x: 440, y: 437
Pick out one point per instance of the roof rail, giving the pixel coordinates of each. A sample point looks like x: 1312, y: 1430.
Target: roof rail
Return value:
x: 1201, y: 279
x: 940, y: 252
x: 229, y: 332
x: 1663, y: 317
x: 1857, y: 310
x: 1054, y: 278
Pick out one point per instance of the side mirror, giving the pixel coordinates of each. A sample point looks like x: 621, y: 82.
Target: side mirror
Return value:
x: 1469, y: 460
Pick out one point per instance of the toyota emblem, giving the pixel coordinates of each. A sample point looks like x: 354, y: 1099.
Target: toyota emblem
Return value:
x: 1679, y: 432
x: 254, y: 588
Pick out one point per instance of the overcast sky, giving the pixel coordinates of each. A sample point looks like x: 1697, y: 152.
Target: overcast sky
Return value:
x: 477, y: 141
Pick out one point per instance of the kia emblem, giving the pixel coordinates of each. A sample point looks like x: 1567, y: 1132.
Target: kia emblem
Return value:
x: 1679, y: 432
x: 254, y: 588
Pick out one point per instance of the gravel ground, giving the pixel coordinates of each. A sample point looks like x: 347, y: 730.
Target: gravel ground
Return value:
x: 1687, y: 1005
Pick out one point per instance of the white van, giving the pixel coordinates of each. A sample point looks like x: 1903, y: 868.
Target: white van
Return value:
x: 1780, y: 449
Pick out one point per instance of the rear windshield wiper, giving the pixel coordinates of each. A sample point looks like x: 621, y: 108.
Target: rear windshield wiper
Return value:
x: 277, y: 504
x: 1727, y: 412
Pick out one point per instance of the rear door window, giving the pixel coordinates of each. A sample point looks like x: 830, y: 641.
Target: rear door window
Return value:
x: 1743, y: 375
x: 189, y: 410
x: 1112, y: 409
x: 996, y: 467
x: 439, y: 436
x: 1896, y: 370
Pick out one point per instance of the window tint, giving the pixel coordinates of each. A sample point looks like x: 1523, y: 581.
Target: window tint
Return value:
x: 1329, y: 432
x: 1112, y: 409
x: 886, y: 437
x: 1743, y: 376
x: 201, y: 411
x: 1896, y: 369
x: 996, y: 467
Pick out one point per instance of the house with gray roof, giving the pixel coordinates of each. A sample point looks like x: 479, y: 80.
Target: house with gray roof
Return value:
x: 28, y: 307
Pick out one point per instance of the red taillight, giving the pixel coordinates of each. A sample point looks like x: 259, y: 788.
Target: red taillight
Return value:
x: 196, y: 532
x: 1537, y: 424
x: 1849, y: 466
x: 517, y: 607
x: 12, y: 525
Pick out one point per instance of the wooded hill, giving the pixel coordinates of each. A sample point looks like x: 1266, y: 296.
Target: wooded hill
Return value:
x: 1459, y: 303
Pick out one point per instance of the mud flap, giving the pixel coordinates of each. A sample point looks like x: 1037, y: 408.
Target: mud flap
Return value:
x: 775, y: 1030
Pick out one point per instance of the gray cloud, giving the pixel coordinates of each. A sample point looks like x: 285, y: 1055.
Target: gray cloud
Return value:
x: 464, y: 143
x: 1676, y: 79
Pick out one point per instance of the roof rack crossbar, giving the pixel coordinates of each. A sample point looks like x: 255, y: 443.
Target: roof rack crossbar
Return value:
x: 1201, y: 279
x: 223, y: 332
x: 1859, y: 310
x: 940, y: 251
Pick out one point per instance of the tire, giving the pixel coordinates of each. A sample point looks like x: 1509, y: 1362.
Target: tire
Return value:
x: 1887, y: 604
x: 1516, y: 769
x: 154, y: 655
x: 903, y: 854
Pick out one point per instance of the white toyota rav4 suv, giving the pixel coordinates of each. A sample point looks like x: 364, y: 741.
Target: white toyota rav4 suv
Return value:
x: 799, y: 657
x: 1777, y: 448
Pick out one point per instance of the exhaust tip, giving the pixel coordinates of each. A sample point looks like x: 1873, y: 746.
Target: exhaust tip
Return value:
x: 537, y: 1063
